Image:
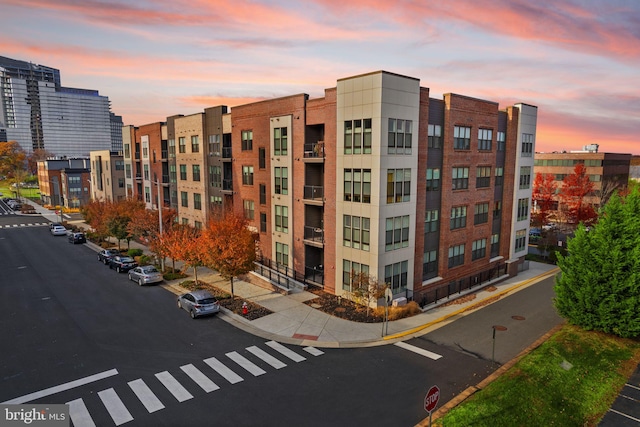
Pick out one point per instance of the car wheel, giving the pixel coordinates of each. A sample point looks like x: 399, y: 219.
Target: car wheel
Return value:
x: 118, y: 269
x: 104, y: 261
x: 99, y: 260
x: 193, y: 314
x: 139, y: 282
x: 179, y: 304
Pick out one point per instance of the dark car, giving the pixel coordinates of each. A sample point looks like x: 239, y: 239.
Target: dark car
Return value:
x: 105, y: 255
x: 77, y: 238
x: 122, y: 263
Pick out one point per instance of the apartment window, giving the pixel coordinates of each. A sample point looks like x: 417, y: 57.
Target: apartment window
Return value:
x: 525, y: 177
x: 495, y: 245
x: 182, y: 145
x: 196, y: 172
x: 247, y: 140
x: 214, y: 145
x: 145, y: 151
x: 263, y: 194
x: 247, y: 175
x: 396, y: 275
x: 215, y: 176
x: 500, y: 139
x: 120, y: 182
x: 127, y: 170
x: 399, y: 136
x: 215, y: 202
x: 429, y: 265
x: 195, y: 144
x: 281, y: 180
x: 357, y: 185
x: 397, y: 233
x: 485, y: 136
x: 523, y: 209
x: 145, y: 168
x: 458, y: 217
x: 497, y: 209
x: 172, y: 174
x: 349, y: 270
x: 521, y: 240
x: 282, y: 219
x: 483, y: 176
x: 435, y: 136
x: 431, y: 221
x: 456, y: 255
x: 357, y: 136
x: 356, y: 232
x: 398, y: 185
x: 184, y: 198
x: 127, y: 151
x: 185, y: 221
x: 282, y: 254
x: 262, y: 158
x: 172, y: 148
x: 461, y: 138
x: 460, y: 178
x: 197, y: 225
x: 183, y: 172
x: 263, y: 222
x: 481, y: 213
x: 499, y: 176
x: 280, y: 144
x: 197, y: 201
x: 527, y: 145
x: 147, y: 194
x: 478, y: 249
x: 433, y: 179
x: 248, y: 206
x: 119, y: 165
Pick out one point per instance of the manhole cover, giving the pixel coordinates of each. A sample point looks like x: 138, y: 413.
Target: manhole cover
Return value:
x: 517, y: 317
x: 499, y: 328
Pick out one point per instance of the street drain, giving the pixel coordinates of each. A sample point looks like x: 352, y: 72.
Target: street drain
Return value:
x: 517, y: 317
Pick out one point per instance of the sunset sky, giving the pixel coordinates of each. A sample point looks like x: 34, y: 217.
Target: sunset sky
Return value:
x: 578, y: 61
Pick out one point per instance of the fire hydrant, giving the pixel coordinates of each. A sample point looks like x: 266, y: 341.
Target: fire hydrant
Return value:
x: 245, y: 308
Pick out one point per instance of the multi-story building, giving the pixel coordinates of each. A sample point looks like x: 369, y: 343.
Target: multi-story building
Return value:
x: 39, y: 113
x: 65, y: 182
x: 107, y: 176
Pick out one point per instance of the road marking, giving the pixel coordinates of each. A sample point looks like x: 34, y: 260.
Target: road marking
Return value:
x: 624, y: 415
x: 62, y: 387
x: 221, y: 369
x: 258, y: 352
x: 115, y: 407
x: 246, y: 363
x: 146, y: 396
x: 285, y: 351
x: 201, y: 379
x: 418, y: 350
x: 313, y: 351
x: 79, y: 414
x: 178, y: 391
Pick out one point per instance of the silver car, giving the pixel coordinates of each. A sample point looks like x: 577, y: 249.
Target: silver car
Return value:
x: 199, y: 303
x: 58, y: 230
x: 145, y: 275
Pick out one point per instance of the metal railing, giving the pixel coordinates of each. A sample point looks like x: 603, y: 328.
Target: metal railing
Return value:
x: 314, y: 150
x: 313, y: 192
x: 285, y: 276
x: 227, y: 185
x: 226, y: 152
x: 315, y: 234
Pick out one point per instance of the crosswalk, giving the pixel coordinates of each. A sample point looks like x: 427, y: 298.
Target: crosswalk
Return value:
x: 230, y: 368
x: 25, y: 224
x: 7, y: 213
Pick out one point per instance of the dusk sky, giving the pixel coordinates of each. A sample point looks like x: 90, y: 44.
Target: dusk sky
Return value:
x: 578, y: 61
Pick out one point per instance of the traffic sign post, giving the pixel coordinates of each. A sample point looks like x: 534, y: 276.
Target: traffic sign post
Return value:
x: 431, y: 400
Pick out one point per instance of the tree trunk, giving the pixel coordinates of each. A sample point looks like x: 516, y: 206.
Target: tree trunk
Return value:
x: 195, y: 273
x: 232, y: 287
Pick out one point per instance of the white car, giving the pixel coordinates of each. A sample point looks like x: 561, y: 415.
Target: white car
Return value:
x: 58, y: 230
x: 145, y: 274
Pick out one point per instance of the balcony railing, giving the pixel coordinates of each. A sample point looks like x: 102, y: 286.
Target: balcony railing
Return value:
x: 313, y: 192
x: 137, y: 155
x: 164, y: 154
x: 227, y: 185
x: 165, y: 179
x: 138, y: 177
x: 226, y: 152
x: 315, y: 234
x: 314, y: 150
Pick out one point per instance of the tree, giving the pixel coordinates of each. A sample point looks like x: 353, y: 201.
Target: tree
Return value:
x: 146, y: 226
x: 175, y: 242
x: 229, y: 246
x: 95, y: 214
x: 544, y: 192
x: 599, y: 288
x: 38, y: 155
x: 12, y: 159
x: 575, y: 189
x: 366, y: 289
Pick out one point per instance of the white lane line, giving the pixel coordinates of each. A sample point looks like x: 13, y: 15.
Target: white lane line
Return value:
x: 62, y: 387
x: 624, y: 415
x: 246, y: 363
x: 146, y: 396
x: 178, y: 391
x: 221, y: 369
x: 418, y: 350
x: 632, y: 386
x: 285, y: 351
x: 201, y: 379
x: 79, y: 414
x: 115, y: 407
x: 313, y: 351
x: 258, y: 352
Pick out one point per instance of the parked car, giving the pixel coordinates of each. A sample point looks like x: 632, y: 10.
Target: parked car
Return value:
x: 53, y: 224
x: 122, y: 263
x: 58, y: 230
x: 145, y: 274
x: 199, y: 303
x: 77, y: 238
x: 105, y: 255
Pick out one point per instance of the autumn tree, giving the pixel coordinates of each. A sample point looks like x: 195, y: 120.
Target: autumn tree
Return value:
x: 37, y: 155
x: 146, y: 226
x: 366, y: 289
x: 95, y: 214
x: 182, y: 243
x: 543, y: 194
x: 576, y: 187
x: 12, y: 158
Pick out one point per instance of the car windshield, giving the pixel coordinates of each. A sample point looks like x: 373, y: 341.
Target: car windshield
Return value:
x: 207, y: 301
x: 149, y: 270
x: 126, y: 259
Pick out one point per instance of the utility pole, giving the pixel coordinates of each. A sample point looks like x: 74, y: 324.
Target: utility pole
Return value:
x: 160, y: 205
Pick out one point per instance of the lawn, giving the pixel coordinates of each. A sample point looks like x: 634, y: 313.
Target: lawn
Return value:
x: 570, y: 380
x: 7, y: 191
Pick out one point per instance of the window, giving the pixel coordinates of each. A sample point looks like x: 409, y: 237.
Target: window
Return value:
x: 281, y: 180
x: 485, y: 136
x: 248, y: 209
x: 350, y: 269
x: 196, y: 172
x: 214, y: 145
x: 120, y: 182
x: 215, y: 176
x: 495, y: 245
x: 497, y: 209
x: 263, y: 222
x: 431, y: 221
x: 483, y: 176
x: 195, y: 144
x: 481, y: 213
x: 145, y: 152
x: 197, y: 201
x: 262, y: 158
x: 521, y: 240
x: 456, y: 255
x: 282, y: 253
x: 357, y: 185
x: 247, y: 140
x: 433, y: 179
x: 499, y: 176
x: 119, y: 165
x: 197, y: 225
x: 172, y: 148
x: 184, y: 197
x: 185, y: 221
x: 461, y: 138
x: 525, y: 177
x: 398, y: 185
x: 435, y: 136
x: 357, y: 136
x: 183, y: 172
x: 478, y: 249
x: 182, y: 145
x: 429, y: 265
x: 280, y: 147
x: 458, y: 217
x: 247, y: 175
x: 527, y: 145
x: 460, y: 178
x: 215, y: 202
x: 147, y: 194
x: 127, y: 170
x: 523, y: 209
x: 172, y: 174
x: 501, y: 141
x: 127, y: 151
x: 397, y: 233
x: 282, y: 218
x: 263, y: 194
x: 399, y: 136
x: 395, y: 276
x: 356, y: 232
x: 145, y: 168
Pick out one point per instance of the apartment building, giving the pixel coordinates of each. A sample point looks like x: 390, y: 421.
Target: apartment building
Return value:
x: 64, y: 182
x: 107, y: 176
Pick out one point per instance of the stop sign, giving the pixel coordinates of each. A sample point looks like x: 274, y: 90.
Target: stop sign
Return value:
x: 431, y: 399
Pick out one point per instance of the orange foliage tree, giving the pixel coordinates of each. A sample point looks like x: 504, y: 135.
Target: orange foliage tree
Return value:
x: 12, y: 159
x: 184, y: 243
x: 575, y: 189
x: 544, y: 191
x: 146, y: 226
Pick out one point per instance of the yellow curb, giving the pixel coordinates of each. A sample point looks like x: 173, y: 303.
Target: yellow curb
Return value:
x: 473, y: 306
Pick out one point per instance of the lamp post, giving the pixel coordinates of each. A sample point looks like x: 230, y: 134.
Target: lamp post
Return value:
x: 160, y: 206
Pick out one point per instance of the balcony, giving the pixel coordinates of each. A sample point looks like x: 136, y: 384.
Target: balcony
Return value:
x: 164, y: 154
x: 314, y: 193
x: 137, y: 155
x: 314, y: 235
x: 227, y: 185
x: 165, y: 179
x: 226, y: 152
x: 314, y: 274
x: 314, y: 151
x: 138, y: 177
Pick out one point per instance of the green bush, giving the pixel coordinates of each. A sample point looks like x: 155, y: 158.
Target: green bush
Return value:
x: 134, y: 252
x: 173, y: 275
x: 144, y: 260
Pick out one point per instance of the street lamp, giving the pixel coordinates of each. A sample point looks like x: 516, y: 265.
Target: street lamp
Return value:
x: 159, y: 206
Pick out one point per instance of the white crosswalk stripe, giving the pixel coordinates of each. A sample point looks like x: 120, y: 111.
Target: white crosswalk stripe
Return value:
x: 285, y: 351
x: 174, y: 387
x: 146, y: 396
x: 115, y: 407
x: 222, y: 369
x: 258, y: 352
x: 79, y: 414
x: 246, y: 363
x: 313, y: 351
x: 199, y: 378
x: 418, y: 350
